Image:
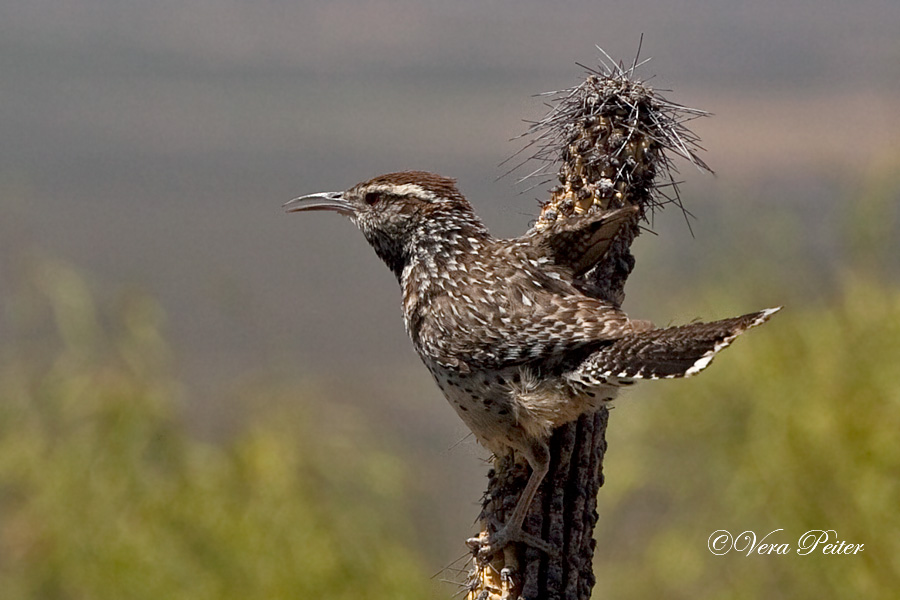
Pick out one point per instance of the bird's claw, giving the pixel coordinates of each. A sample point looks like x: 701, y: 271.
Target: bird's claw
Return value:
x: 486, y: 546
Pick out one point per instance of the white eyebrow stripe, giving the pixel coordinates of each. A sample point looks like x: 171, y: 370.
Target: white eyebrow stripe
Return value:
x: 407, y: 189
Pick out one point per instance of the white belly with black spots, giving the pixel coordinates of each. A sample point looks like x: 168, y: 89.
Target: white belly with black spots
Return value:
x: 505, y: 409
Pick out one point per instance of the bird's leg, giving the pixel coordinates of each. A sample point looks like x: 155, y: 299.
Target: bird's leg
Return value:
x: 538, y: 457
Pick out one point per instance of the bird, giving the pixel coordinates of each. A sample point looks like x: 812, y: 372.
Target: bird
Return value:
x: 504, y: 326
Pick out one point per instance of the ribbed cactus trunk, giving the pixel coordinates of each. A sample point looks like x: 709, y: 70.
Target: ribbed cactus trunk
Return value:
x: 612, y: 139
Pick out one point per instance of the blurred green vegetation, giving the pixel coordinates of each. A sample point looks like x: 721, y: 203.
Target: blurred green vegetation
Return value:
x: 103, y: 494
x: 797, y: 430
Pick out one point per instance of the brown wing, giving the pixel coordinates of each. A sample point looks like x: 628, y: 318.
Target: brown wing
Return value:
x: 517, y: 328
x: 578, y: 243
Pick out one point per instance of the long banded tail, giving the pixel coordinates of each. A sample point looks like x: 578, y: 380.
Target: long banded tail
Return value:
x: 667, y: 353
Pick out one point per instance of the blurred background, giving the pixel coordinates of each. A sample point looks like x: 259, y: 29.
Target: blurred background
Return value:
x: 201, y: 396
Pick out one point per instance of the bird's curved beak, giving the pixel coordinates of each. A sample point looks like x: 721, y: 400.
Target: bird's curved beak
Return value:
x: 333, y: 201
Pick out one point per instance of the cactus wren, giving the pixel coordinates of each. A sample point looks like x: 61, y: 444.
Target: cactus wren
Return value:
x: 502, y: 325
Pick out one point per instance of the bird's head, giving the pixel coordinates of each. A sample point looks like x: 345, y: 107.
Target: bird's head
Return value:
x: 398, y: 211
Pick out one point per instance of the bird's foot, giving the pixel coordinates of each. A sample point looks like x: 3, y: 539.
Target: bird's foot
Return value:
x: 486, y: 546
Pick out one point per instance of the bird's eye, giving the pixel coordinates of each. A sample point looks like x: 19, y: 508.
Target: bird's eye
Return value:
x: 372, y: 198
